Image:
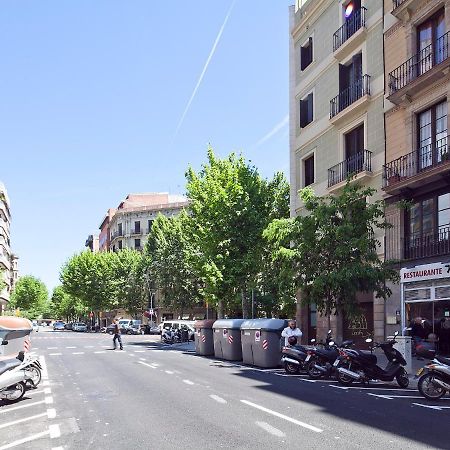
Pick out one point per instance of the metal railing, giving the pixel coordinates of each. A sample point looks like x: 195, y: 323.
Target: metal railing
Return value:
x: 427, y: 157
x: 350, y: 95
x: 420, y: 63
x: 116, y: 234
x: 360, y: 162
x: 350, y: 27
x: 136, y: 231
x: 427, y: 244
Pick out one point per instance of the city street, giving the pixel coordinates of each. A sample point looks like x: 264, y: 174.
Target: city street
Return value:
x: 155, y: 396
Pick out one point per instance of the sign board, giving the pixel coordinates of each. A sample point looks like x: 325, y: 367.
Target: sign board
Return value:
x: 257, y: 336
x: 151, y: 312
x: 425, y: 272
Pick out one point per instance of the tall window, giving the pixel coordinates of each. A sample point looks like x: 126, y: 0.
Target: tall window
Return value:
x: 308, y: 170
x: 137, y: 226
x: 150, y: 224
x: 432, y: 135
x: 431, y: 45
x: 120, y: 229
x: 120, y: 245
x: 306, y: 110
x: 137, y: 243
x: 306, y: 54
x: 354, y: 150
x: 350, y: 81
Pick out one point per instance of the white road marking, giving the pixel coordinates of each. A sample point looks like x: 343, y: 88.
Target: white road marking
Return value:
x: 373, y: 388
x: 54, y: 354
x: 142, y: 359
x: 54, y: 430
x: 188, y: 382
x: 391, y: 397
x: 139, y: 351
x: 145, y: 364
x: 71, y: 347
x: 26, y: 405
x: 77, y: 353
x: 52, y: 348
x: 438, y: 408
x: 218, y: 399
x: 282, y: 416
x: 169, y: 372
x: 130, y: 354
x: 270, y: 429
x: 25, y: 439
x: 88, y: 346
x: 48, y: 400
x: 51, y: 413
x: 102, y: 351
x: 26, y: 419
x: 48, y: 390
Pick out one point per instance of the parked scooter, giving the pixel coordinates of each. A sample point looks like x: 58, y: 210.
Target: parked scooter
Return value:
x: 360, y: 365
x: 434, y: 379
x: 171, y: 336
x: 322, y: 360
x: 293, y: 357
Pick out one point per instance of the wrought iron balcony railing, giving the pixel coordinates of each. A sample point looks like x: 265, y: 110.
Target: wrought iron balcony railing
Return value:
x: 350, y: 27
x: 427, y: 157
x: 427, y: 244
x: 360, y: 162
x: 396, y: 3
x: 420, y: 63
x: 350, y: 95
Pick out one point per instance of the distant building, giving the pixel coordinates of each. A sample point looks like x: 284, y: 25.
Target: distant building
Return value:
x: 133, y: 218
x: 14, y: 270
x: 5, y: 247
x: 104, y: 236
x: 92, y: 242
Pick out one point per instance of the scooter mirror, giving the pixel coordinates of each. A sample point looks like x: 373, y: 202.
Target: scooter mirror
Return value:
x: 396, y: 333
x: 331, y: 343
x: 4, y: 342
x: 369, y: 341
x: 329, y: 331
x: 312, y: 341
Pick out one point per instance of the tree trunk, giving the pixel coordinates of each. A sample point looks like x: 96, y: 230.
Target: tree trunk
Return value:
x: 220, y: 309
x: 245, y: 305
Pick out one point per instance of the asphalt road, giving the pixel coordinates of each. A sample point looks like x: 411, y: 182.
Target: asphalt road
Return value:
x: 153, y: 396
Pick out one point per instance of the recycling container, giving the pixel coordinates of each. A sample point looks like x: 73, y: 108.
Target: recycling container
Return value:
x: 261, y: 342
x: 16, y: 332
x: 227, y: 339
x: 204, y: 343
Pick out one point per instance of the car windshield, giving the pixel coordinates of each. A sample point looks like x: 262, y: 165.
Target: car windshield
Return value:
x: 124, y: 322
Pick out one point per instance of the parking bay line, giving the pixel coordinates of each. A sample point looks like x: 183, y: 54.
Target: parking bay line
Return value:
x: 2, y: 411
x: 145, y: 364
x: 270, y: 429
x: 25, y: 419
x: 26, y: 439
x: 282, y: 416
x: 54, y: 354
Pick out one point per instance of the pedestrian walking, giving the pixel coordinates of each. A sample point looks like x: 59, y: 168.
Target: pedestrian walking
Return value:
x: 291, y: 330
x: 117, y: 336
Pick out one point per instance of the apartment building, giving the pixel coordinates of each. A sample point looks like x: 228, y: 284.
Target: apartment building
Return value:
x: 133, y: 218
x: 5, y: 244
x: 336, y: 121
x: 93, y: 243
x: 416, y: 175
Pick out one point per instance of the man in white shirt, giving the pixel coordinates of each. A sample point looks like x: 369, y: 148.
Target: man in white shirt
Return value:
x: 291, y: 330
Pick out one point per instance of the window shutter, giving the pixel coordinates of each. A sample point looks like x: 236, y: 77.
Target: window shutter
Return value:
x: 303, y: 57
x: 310, y: 51
x: 303, y: 113
x: 310, y: 108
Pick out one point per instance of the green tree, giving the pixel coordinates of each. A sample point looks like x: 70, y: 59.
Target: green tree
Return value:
x: 30, y: 296
x: 231, y: 205
x: 169, y: 252
x: 64, y: 306
x: 331, y: 251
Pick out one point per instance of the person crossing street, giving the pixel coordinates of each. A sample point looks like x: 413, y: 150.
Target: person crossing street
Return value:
x: 117, y: 336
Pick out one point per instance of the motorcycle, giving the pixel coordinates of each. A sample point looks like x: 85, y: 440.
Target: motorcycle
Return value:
x: 322, y: 361
x: 171, y: 336
x: 361, y: 365
x: 434, y: 379
x: 293, y: 357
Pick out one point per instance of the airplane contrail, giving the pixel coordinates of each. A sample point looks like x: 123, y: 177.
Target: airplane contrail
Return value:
x: 205, y: 67
x: 279, y: 126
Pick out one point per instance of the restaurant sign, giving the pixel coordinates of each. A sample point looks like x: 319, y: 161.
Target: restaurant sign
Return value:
x: 425, y: 272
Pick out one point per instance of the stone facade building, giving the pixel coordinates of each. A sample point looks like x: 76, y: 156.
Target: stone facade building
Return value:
x: 336, y: 121
x: 5, y: 248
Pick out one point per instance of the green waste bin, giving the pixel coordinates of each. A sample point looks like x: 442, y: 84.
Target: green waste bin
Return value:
x: 204, y: 344
x: 227, y: 339
x: 261, y: 342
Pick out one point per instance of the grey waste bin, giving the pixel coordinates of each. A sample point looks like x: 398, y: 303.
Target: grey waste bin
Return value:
x: 227, y: 339
x: 204, y: 344
x: 261, y: 341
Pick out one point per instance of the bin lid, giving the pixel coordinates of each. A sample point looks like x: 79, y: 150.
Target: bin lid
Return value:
x: 264, y: 324
x: 230, y: 324
x: 14, y: 327
x: 204, y: 324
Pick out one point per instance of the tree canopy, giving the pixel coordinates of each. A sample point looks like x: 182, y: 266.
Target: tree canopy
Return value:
x: 30, y: 296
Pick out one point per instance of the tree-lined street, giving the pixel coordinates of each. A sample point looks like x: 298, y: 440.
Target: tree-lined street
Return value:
x: 159, y: 396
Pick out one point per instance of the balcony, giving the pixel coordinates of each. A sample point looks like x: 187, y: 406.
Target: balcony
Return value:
x: 350, y: 35
x: 359, y: 165
x: 350, y: 100
x: 425, y: 245
x: 420, y: 71
x: 404, y: 9
x: 136, y: 232
x: 417, y: 168
x: 116, y: 235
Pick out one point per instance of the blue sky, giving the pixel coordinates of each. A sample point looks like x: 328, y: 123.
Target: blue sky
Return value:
x: 92, y: 93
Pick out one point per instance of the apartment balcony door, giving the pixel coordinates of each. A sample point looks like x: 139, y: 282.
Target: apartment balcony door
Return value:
x: 351, y: 83
x: 354, y: 150
x: 431, y: 43
x: 432, y: 135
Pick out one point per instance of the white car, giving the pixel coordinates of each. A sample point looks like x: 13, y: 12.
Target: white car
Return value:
x: 79, y: 326
x: 35, y: 325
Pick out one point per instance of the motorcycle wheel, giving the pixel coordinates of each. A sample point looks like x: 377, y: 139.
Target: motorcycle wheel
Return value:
x: 402, y: 379
x: 291, y: 369
x: 13, y: 393
x: 428, y: 389
x: 312, y: 371
x: 35, y: 375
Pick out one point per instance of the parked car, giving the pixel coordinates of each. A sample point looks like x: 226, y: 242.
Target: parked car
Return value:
x: 130, y: 326
x: 151, y: 330
x: 35, y: 325
x: 79, y: 326
x: 68, y: 325
x: 58, y: 326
